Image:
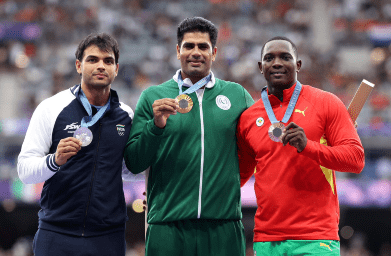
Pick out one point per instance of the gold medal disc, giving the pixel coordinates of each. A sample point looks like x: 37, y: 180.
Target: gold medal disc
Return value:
x: 276, y: 132
x: 185, y: 103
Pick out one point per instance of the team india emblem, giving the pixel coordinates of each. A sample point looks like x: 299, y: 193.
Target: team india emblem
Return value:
x: 121, y: 129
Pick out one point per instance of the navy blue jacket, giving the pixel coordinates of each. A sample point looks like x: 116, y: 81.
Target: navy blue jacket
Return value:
x: 83, y: 197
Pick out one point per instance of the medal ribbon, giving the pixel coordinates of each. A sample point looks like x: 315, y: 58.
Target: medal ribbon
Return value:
x: 289, y: 110
x: 90, y: 120
x: 194, y: 87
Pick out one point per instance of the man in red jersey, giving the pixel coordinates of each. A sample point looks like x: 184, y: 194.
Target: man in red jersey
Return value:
x: 282, y: 135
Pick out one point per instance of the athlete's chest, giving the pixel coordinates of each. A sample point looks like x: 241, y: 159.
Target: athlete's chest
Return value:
x: 215, y: 112
x: 110, y: 130
x: 304, y: 114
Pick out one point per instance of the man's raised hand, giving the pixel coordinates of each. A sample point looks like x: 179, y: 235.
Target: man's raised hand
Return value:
x: 162, y: 109
x: 67, y: 148
x: 295, y: 136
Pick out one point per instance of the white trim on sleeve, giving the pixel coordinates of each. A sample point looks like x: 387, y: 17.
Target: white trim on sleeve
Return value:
x: 35, y: 164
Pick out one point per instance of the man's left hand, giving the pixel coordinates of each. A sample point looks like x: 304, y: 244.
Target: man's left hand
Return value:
x: 295, y: 136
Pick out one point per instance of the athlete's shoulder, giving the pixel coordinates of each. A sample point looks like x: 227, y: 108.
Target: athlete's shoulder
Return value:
x: 127, y: 109
x: 57, y: 101
x: 257, y: 106
x: 220, y: 82
x: 49, y: 109
x: 251, y: 114
x: 319, y: 96
x: 232, y: 87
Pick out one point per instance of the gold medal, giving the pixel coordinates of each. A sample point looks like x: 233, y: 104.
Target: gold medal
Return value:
x: 185, y: 103
x: 276, y: 132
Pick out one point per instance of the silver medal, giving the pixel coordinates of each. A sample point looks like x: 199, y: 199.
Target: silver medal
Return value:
x: 84, y: 135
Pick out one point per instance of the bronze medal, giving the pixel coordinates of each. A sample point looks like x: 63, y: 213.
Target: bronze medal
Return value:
x: 276, y: 132
x: 185, y: 103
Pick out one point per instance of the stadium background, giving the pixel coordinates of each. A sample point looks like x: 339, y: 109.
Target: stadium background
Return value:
x: 340, y: 42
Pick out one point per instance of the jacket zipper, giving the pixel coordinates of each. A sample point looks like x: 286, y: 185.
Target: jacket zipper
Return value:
x: 202, y: 157
x: 92, y: 180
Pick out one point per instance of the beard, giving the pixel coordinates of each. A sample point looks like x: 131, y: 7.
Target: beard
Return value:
x: 196, y: 73
x: 99, y: 83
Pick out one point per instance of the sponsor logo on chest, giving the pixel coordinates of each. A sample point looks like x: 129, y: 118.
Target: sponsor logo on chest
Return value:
x: 301, y: 111
x: 72, y: 127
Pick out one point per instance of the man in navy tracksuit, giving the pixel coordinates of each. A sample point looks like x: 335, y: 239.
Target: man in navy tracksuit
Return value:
x: 83, y: 204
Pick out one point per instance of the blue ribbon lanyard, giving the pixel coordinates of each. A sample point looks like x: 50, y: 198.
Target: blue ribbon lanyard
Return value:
x: 289, y: 110
x: 90, y: 120
x: 194, y: 87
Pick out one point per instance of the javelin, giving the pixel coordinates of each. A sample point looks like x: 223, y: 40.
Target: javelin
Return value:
x: 360, y: 98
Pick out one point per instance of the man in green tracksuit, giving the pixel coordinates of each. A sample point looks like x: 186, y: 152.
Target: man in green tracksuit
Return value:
x: 184, y: 132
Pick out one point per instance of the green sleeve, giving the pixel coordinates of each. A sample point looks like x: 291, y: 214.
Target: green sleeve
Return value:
x: 249, y: 99
x: 144, y: 138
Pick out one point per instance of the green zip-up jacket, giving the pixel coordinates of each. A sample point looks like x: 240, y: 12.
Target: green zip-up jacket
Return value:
x: 194, y: 169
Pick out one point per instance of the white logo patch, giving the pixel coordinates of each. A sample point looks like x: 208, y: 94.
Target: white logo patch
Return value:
x: 72, y: 126
x: 260, y: 121
x: 223, y: 102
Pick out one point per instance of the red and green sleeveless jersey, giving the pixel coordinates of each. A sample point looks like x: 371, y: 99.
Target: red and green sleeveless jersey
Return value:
x: 296, y: 192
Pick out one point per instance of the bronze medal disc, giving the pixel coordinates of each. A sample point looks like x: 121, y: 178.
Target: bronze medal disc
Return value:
x: 275, y: 132
x: 185, y: 103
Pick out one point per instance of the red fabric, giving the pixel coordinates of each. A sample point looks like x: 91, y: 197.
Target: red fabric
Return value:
x: 295, y: 200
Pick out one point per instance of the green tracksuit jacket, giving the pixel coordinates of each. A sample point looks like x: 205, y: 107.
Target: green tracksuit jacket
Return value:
x: 194, y: 170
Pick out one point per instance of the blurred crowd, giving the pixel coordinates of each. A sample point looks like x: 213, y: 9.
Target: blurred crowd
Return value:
x: 358, y: 37
x: 340, y: 43
x: 343, y: 43
x: 38, y: 40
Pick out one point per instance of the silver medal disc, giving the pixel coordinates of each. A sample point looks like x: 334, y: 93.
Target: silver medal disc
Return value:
x: 84, y: 135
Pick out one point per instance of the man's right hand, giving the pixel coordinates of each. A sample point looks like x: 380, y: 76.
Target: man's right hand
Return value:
x: 162, y: 109
x: 67, y: 148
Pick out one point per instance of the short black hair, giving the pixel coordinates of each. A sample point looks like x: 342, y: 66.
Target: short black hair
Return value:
x: 103, y: 41
x: 197, y: 24
x: 281, y: 38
